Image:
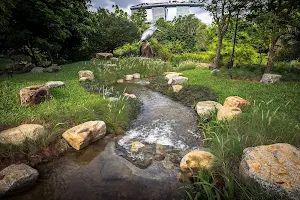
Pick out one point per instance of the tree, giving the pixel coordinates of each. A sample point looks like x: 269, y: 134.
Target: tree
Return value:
x: 277, y: 17
x: 221, y: 11
x: 112, y: 30
x: 56, y: 28
x: 140, y: 19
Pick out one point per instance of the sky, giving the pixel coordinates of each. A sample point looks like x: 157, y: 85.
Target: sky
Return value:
x: 126, y: 4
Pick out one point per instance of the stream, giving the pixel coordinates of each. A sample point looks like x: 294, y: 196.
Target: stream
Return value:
x: 108, y: 170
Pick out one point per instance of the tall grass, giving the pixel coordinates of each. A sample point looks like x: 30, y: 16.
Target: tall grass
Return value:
x: 227, y: 140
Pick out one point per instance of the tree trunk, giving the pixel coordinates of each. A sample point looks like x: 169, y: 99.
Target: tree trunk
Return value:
x: 271, y: 53
x: 219, y: 48
x: 234, y: 40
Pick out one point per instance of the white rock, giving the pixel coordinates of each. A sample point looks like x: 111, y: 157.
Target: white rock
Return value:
x: 179, y: 80
x: 136, y: 76
x: 270, y: 78
x: 170, y: 81
x: 172, y: 76
x: 177, y: 88
x: 53, y: 84
x: 128, y: 77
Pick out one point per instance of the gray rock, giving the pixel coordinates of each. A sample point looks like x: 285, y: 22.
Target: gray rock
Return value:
x: 53, y: 68
x: 136, y: 76
x: 53, y: 84
x: 114, y: 59
x: 270, y: 78
x: 18, y: 135
x: 205, y: 109
x: 38, y: 70
x: 179, y: 80
x: 17, y: 178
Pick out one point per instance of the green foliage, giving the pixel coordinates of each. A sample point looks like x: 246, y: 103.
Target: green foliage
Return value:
x: 206, y: 56
x: 244, y: 53
x: 133, y: 49
x: 56, y: 28
x: 112, y: 30
x: 128, y: 49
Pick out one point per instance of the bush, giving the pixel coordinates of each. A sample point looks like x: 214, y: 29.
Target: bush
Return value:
x: 205, y: 56
x: 133, y: 49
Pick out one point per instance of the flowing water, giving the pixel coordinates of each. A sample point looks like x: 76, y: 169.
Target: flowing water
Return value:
x: 108, y: 169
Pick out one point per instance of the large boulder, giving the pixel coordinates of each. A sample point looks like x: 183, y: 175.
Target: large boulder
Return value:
x: 205, y: 109
x: 37, y: 70
x: 197, y: 160
x: 270, y: 78
x: 179, y: 80
x: 54, y: 84
x: 34, y: 94
x: 104, y: 55
x: 17, y: 178
x: 228, y: 113
x: 276, y: 168
x: 53, y: 68
x: 18, y: 135
x: 84, y: 134
x: 86, y: 75
x: 236, y: 101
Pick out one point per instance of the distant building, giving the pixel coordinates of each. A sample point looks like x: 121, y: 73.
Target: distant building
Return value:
x: 160, y: 7
x: 182, y: 11
x: 159, y: 12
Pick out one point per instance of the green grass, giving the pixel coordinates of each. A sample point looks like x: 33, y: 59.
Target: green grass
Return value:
x: 283, y: 95
x: 73, y: 104
x: 272, y: 118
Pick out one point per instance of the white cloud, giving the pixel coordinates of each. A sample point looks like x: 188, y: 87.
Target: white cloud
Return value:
x: 205, y: 17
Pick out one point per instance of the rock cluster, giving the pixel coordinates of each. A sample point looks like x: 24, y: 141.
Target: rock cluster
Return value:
x: 175, y: 79
x: 131, y: 77
x: 230, y: 109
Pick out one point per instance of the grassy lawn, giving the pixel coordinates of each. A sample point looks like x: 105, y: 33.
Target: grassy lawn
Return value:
x: 72, y: 104
x: 283, y: 95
